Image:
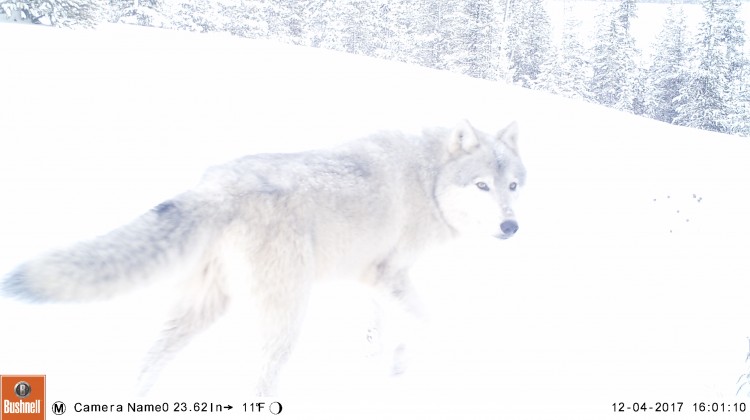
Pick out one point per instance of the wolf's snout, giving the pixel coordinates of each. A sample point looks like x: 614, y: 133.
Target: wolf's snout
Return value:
x: 509, y: 227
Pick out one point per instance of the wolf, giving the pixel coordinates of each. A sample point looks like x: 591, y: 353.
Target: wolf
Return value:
x: 364, y: 210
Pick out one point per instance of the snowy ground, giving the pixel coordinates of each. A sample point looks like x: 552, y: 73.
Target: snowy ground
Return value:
x: 626, y: 282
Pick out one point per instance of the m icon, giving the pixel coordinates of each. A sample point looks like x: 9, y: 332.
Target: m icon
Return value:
x: 58, y: 408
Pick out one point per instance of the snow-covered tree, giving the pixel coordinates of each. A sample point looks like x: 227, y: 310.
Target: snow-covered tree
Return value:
x: 738, y: 71
x: 192, y: 15
x: 615, y: 73
x: 604, y: 85
x: 397, y: 31
x: 156, y: 13
x: 430, y: 33
x: 470, y: 32
x: 566, y: 72
x: 244, y: 18
x: 528, y: 35
x: 358, y: 20
x: 669, y: 69
x: 67, y: 13
x: 740, y: 122
x: 322, y: 26
x: 284, y: 20
x: 712, y: 98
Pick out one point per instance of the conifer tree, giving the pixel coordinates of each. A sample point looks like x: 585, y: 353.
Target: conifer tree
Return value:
x: 712, y: 98
x: 67, y: 13
x: 470, y: 32
x: 529, y: 40
x: 615, y: 75
x: 669, y: 69
x: 565, y: 73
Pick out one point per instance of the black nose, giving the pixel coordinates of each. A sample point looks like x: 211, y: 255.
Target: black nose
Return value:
x: 509, y: 227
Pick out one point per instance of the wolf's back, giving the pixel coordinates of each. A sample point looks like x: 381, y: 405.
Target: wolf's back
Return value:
x: 116, y: 261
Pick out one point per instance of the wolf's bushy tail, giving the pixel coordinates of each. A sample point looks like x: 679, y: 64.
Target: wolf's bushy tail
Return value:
x: 116, y: 261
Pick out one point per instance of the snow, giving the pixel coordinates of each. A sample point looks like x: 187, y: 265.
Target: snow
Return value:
x: 621, y: 284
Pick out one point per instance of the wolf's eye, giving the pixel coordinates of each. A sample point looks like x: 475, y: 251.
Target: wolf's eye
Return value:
x: 513, y: 186
x: 483, y: 186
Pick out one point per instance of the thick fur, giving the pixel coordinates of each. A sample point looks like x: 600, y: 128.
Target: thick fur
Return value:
x: 363, y: 211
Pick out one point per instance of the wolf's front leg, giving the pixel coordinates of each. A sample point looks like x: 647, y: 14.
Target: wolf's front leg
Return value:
x: 399, y: 315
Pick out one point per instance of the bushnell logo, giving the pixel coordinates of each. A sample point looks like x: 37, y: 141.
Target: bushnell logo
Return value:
x: 22, y: 397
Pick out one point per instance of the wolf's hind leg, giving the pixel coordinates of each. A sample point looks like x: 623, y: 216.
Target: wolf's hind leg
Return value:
x: 282, y: 279
x: 204, y: 302
x: 281, y: 318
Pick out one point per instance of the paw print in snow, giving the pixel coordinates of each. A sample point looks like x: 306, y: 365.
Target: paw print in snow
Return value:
x: 678, y: 212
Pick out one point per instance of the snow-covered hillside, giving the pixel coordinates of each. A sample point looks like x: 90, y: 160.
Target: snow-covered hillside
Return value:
x: 627, y: 281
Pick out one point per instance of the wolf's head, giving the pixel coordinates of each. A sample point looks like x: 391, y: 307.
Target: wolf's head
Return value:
x: 477, y: 186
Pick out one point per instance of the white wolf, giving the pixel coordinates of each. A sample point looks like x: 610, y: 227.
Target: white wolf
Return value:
x: 363, y: 210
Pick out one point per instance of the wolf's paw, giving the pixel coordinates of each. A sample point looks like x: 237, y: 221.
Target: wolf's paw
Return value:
x: 374, y: 344
x: 400, y: 361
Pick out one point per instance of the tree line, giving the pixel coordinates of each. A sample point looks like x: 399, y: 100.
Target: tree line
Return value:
x: 694, y: 79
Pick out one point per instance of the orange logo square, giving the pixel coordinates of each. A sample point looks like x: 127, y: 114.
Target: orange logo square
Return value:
x: 22, y: 397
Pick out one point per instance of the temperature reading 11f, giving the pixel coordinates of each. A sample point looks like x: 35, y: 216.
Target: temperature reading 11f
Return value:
x: 258, y: 407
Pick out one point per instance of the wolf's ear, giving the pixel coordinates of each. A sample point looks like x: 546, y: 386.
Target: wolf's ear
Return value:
x: 463, y: 138
x: 509, y: 135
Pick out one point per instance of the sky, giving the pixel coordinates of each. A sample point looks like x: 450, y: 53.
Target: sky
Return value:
x: 625, y: 283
